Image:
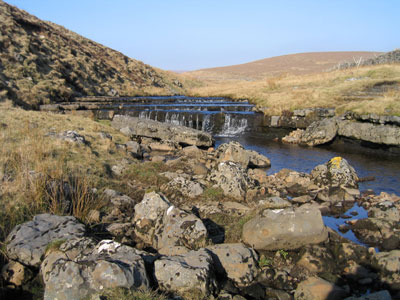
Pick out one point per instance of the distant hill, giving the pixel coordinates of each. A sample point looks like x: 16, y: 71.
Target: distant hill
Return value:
x: 302, y: 63
x: 41, y: 62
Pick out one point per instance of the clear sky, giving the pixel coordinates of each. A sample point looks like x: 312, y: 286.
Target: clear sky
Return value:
x: 189, y: 34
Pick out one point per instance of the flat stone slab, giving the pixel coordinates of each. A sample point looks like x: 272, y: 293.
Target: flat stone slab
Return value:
x: 148, y: 128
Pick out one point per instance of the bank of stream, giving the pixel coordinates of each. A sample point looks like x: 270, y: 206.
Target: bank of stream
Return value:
x: 230, y: 120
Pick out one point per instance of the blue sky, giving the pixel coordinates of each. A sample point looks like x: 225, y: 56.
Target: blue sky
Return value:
x: 188, y: 34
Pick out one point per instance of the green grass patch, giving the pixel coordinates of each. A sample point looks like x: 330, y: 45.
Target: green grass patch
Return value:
x: 233, y: 225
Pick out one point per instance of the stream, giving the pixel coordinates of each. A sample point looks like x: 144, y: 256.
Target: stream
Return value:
x: 228, y: 121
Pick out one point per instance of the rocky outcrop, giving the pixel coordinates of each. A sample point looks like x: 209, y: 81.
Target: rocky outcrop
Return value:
x: 374, y: 129
x: 232, y: 178
x: 285, y: 229
x: 108, y: 265
x: 185, y: 186
x: 237, y: 262
x: 320, y: 132
x: 149, y: 214
x: 338, y: 180
x: 384, y: 58
x: 161, y: 225
x: 181, y: 228
x: 27, y: 242
x: 148, y: 128
x: 379, y: 134
x: 299, y: 118
x: 190, y: 274
x: 235, y: 152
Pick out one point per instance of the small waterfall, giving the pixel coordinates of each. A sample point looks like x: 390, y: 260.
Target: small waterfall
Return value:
x: 233, y: 125
x: 206, y: 124
x: 218, y: 116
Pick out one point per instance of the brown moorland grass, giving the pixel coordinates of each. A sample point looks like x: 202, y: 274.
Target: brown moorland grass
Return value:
x: 295, y: 64
x: 372, y: 89
x: 38, y: 171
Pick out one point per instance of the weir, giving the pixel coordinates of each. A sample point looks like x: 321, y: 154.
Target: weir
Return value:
x: 219, y: 116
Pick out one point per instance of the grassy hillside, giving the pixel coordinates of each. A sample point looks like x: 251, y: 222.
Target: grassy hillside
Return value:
x: 41, y: 62
x: 297, y: 64
x: 368, y: 89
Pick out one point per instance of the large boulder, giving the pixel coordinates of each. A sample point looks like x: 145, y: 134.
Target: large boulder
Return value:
x: 374, y: 133
x: 257, y: 160
x: 232, y: 178
x: 235, y: 152
x: 148, y: 128
x: 149, y: 214
x: 109, y: 265
x: 338, y: 180
x: 180, y: 228
x: 289, y: 228
x: 191, y: 275
x: 336, y: 172
x: 161, y: 225
x: 320, y: 132
x: 236, y: 261
x: 27, y: 242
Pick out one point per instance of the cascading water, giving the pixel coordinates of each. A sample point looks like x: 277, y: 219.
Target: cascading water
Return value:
x: 219, y: 116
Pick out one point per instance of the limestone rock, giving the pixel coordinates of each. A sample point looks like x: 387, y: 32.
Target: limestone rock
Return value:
x: 180, y: 229
x: 320, y: 132
x: 185, y: 186
x: 388, y: 262
x: 16, y: 273
x: 285, y: 229
x: 235, y: 152
x: 188, y: 274
x: 27, y: 242
x: 164, y: 146
x: 274, y: 203
x: 109, y: 265
x: 149, y: 215
x: 257, y: 160
x: 374, y: 133
x: 338, y: 181
x: 232, y: 178
x: 315, y: 288
x: 71, y: 136
x: 149, y: 128
x: 293, y: 137
x: 238, y: 262
x: 134, y: 149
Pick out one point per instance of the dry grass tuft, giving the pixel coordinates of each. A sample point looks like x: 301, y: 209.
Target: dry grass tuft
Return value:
x: 39, y: 173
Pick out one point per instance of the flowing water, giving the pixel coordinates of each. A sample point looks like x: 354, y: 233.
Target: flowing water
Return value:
x: 228, y: 120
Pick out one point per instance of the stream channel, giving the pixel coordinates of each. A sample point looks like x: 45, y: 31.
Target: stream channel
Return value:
x: 237, y: 121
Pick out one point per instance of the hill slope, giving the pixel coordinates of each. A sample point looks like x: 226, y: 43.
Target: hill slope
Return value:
x: 41, y: 62
x: 297, y: 64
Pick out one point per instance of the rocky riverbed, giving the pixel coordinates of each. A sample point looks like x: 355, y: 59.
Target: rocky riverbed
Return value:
x: 219, y: 228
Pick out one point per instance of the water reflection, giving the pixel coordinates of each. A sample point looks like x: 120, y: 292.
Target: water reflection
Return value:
x: 385, y: 169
